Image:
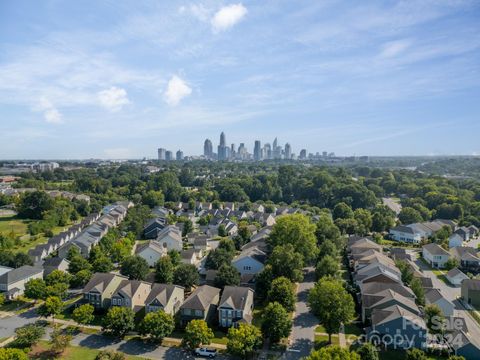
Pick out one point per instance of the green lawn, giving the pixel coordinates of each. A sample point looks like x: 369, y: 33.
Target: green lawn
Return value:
x: 353, y: 329
x: 400, y: 355
x: 320, y: 329
x: 71, y: 353
x: 12, y: 223
x: 322, y: 340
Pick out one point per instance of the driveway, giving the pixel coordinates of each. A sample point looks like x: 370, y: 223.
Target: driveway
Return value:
x: 8, y: 324
x: 304, y: 323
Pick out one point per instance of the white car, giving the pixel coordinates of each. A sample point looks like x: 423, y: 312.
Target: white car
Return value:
x: 210, y: 353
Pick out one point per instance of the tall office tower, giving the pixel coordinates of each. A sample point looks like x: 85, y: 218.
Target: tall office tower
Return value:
x: 257, y: 151
x: 168, y: 155
x: 242, y: 152
x: 303, y: 154
x: 222, y: 148
x: 161, y: 154
x: 179, y: 155
x: 208, y: 149
x: 275, y: 144
x: 288, y: 151
x: 233, y: 152
x: 276, y: 150
x: 267, y: 151
x: 324, y: 154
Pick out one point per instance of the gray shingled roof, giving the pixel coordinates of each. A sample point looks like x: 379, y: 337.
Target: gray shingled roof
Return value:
x: 201, y: 298
x: 20, y: 273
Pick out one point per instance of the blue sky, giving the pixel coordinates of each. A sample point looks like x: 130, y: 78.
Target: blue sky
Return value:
x: 118, y: 79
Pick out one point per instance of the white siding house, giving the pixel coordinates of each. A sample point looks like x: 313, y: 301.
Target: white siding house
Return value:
x: 455, y: 240
x: 435, y: 255
x: 250, y: 261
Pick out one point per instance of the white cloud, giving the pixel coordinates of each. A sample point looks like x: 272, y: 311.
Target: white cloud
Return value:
x: 177, y: 89
x: 50, y: 112
x: 228, y: 16
x: 394, y: 48
x: 113, y: 99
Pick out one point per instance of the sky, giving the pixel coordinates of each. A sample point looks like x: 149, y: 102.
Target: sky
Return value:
x: 119, y: 79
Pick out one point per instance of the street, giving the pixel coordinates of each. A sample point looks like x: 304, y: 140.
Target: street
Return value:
x: 304, y: 323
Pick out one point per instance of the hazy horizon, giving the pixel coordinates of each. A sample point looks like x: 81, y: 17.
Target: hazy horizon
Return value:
x: 119, y: 79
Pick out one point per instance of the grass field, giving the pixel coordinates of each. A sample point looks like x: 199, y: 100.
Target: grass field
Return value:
x: 20, y: 228
x: 40, y: 351
x: 400, y: 355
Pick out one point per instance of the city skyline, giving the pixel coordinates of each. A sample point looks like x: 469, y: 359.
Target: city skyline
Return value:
x: 101, y: 79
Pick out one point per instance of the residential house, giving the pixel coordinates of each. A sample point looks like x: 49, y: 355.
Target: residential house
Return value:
x: 464, y: 345
x: 154, y: 227
x: 151, y: 251
x: 473, y: 231
x: 99, y: 290
x: 190, y: 256
x: 201, y: 304
x: 456, y: 276
x: 165, y: 297
x: 361, y: 245
x: 54, y: 263
x: 467, y: 256
x: 470, y: 291
x: 131, y: 294
x: 455, y: 240
x: 434, y: 297
x: 378, y: 273
x: 405, y: 234
x: 373, y: 288
x: 400, y: 254
x: 250, y: 261
x: 236, y: 306
x: 4, y: 269
x: 435, y: 255
x: 385, y: 299
x: 12, y: 283
x: 406, y: 329
x: 171, y: 238
x: 464, y: 232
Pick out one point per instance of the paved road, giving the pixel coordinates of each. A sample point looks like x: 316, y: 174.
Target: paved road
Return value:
x: 452, y: 293
x: 10, y: 323
x: 304, y: 323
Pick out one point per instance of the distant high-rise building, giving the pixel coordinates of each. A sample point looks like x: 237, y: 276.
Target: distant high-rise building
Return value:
x: 208, y: 149
x: 303, y: 154
x: 267, y: 151
x: 233, y: 153
x: 276, y: 150
x: 288, y: 151
x: 257, y: 151
x: 179, y: 155
x: 168, y: 155
x: 242, y: 152
x: 324, y: 154
x: 161, y: 153
x: 223, y: 150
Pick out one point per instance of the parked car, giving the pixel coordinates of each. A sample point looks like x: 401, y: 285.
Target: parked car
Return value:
x: 210, y: 353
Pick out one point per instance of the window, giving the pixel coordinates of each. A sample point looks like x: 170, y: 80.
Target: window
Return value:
x: 247, y: 267
x: 239, y: 313
x: 114, y: 301
x: 186, y: 311
x: 198, y: 313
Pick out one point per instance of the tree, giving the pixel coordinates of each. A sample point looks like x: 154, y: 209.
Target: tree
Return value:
x: 364, y: 221
x: 84, y: 314
x: 186, y: 275
x: 409, y: 215
x: 35, y: 289
x: 197, y: 333
x: 153, y: 198
x: 435, y: 319
x: 243, y: 340
x: 52, y: 306
x: 135, y: 267
x: 28, y: 335
x: 119, y: 321
x: 342, y: 211
x: 332, y: 304
x: 102, y: 264
x: 222, y: 231
x: 286, y: 262
x: 227, y: 244
x: 157, y: 325
x: 415, y: 354
x: 218, y: 257
x: 333, y: 353
x: 327, y: 266
x: 58, y: 277
x: 326, y: 229
x: 164, y: 270
x: 452, y: 263
x: 110, y: 355
x: 175, y: 257
x: 417, y: 288
x: 187, y: 227
x: 12, y: 354
x: 368, y: 352
x: 2, y: 299
x: 328, y: 247
x: 227, y: 275
x: 81, y: 278
x: 282, y: 291
x: 59, y: 340
x: 33, y: 205
x: 276, y: 323
x: 406, y: 271
x: 263, y: 282
x: 58, y: 290
x: 78, y: 263
x: 295, y: 230
x: 455, y: 357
